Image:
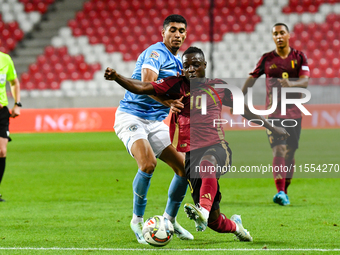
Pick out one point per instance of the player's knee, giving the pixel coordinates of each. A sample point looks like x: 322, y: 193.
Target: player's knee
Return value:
x: 148, y: 167
x: 3, y: 152
x: 279, y: 151
x: 179, y: 170
x: 290, y: 154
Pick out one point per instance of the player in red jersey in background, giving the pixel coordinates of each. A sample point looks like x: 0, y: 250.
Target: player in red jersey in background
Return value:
x: 283, y: 67
x: 197, y: 136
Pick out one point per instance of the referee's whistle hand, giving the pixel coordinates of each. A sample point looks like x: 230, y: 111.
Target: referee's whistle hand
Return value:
x: 15, y: 112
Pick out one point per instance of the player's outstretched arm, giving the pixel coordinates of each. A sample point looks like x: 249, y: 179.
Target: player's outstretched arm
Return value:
x: 132, y: 85
x: 279, y: 131
x: 248, y: 84
x: 302, y: 82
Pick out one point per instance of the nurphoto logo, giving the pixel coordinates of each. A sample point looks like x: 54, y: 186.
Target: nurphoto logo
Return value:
x: 238, y: 104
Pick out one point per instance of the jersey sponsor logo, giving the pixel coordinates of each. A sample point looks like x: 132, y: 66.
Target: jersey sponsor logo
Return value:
x: 273, y: 66
x: 2, y: 78
x: 159, y: 81
x: 154, y: 54
x: 133, y: 128
x: 305, y: 68
x: 183, y: 145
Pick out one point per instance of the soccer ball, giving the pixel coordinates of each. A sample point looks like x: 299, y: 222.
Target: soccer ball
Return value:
x: 158, y: 231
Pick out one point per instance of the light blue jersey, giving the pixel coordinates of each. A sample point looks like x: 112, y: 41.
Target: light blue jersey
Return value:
x: 160, y: 60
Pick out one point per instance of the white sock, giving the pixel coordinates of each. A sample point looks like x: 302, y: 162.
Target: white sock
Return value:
x: 136, y: 219
x: 170, y: 218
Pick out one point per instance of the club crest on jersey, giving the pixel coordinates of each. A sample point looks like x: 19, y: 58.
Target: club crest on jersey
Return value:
x: 273, y: 66
x: 133, y: 128
x: 154, y: 54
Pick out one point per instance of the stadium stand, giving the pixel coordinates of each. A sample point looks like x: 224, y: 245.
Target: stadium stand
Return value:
x: 105, y: 33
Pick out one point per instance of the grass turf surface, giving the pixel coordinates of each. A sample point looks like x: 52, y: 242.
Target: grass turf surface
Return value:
x: 75, y: 190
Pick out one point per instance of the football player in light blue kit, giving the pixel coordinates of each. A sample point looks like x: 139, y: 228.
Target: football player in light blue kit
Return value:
x: 139, y: 124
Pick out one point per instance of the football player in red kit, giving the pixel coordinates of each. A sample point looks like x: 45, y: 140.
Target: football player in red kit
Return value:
x: 198, y: 136
x: 283, y: 67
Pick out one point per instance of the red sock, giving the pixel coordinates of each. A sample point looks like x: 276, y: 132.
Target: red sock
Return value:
x: 223, y: 225
x: 209, y: 185
x: 289, y: 175
x: 279, y: 174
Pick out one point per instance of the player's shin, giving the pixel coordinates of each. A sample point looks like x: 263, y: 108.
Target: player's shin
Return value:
x: 209, y: 185
x: 140, y: 185
x: 2, y: 167
x: 176, y: 193
x: 279, y: 173
x: 290, y: 164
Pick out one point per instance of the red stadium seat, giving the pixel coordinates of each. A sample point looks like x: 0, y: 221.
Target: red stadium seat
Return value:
x: 311, y: 63
x: 41, y: 7
x: 311, y: 46
x: 232, y: 4
x: 336, y: 45
x: 49, y: 51
x: 75, y: 76
x: 25, y: 77
x: 50, y: 77
x: 10, y: 44
x: 329, y: 73
x: 30, y: 85
x: 54, y: 85
x: 42, y: 85
x: 62, y: 76
x: 323, y: 64
x: 53, y: 60
x: 33, y: 68
x: 329, y: 54
x: 336, y: 63
x: 88, y: 6
x: 317, y: 54
x: 110, y: 48
x: 59, y: 68
x: 46, y: 68
x: 95, y: 67
x: 316, y: 73
x: 37, y: 77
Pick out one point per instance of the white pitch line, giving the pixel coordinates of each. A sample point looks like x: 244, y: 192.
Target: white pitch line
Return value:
x: 139, y: 249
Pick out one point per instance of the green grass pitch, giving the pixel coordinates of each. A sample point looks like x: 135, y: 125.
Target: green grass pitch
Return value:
x: 74, y: 190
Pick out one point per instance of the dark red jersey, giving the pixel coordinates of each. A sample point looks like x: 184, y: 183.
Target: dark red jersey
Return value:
x: 190, y: 130
x: 274, y: 67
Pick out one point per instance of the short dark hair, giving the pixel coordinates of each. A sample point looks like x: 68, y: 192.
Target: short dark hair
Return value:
x: 174, y: 18
x: 281, y: 24
x: 192, y: 49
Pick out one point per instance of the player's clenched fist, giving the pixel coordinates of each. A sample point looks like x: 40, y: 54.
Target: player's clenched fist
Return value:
x: 110, y: 74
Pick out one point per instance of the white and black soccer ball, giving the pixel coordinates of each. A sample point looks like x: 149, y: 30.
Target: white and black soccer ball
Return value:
x: 158, y: 231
